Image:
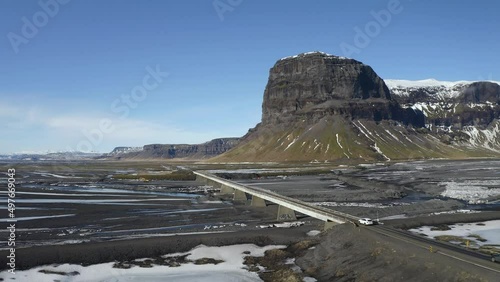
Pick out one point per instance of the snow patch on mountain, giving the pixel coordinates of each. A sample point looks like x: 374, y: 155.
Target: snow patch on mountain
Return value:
x: 443, y: 89
x: 314, y: 52
x: 398, y: 83
x: 487, y: 138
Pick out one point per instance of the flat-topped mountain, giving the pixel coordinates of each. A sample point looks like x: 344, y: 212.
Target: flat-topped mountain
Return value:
x: 320, y: 83
x: 315, y: 84
x: 321, y: 107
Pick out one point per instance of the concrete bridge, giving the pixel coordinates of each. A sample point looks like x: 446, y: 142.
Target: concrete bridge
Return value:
x: 287, y: 206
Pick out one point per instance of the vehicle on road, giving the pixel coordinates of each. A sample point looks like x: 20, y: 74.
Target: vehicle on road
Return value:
x: 495, y: 258
x: 366, y: 221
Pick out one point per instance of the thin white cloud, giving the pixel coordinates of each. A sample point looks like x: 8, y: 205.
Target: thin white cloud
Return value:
x: 68, y: 131
x: 72, y: 122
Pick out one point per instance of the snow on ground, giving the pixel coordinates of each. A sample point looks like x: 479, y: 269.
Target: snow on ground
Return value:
x: 473, y: 191
x: 313, y: 233
x: 489, y: 231
x: 232, y: 269
x: 283, y: 225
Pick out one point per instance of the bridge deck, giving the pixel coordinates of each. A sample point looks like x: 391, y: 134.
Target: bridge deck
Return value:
x: 321, y: 213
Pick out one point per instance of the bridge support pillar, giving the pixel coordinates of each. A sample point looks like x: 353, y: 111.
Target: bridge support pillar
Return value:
x: 239, y: 195
x: 226, y: 190
x: 258, y: 202
x: 329, y: 225
x: 285, y: 213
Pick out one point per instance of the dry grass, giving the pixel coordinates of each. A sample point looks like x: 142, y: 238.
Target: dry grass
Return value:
x: 451, y: 238
x: 477, y: 237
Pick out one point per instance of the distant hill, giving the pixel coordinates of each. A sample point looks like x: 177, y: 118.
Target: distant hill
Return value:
x: 175, y: 151
x: 50, y: 156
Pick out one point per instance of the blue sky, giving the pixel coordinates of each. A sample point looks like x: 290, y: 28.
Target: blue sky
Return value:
x: 62, y: 87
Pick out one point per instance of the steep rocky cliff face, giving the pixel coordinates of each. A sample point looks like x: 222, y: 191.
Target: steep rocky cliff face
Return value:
x: 176, y: 151
x: 312, y: 85
x: 320, y: 107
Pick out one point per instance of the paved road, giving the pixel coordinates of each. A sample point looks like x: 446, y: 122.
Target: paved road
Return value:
x: 456, y: 252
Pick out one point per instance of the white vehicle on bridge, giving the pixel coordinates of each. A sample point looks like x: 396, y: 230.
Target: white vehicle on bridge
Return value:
x: 366, y: 221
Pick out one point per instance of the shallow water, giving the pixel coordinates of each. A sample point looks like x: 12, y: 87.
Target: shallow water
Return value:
x: 62, y: 212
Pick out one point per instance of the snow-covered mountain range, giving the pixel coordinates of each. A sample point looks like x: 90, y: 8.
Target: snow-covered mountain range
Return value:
x: 463, y: 112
